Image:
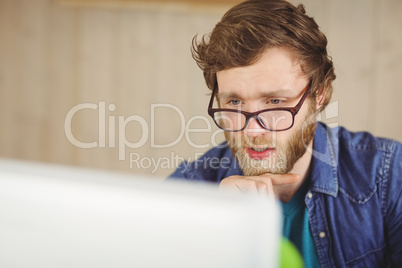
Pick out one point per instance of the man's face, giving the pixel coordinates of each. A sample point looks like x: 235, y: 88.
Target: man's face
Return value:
x: 274, y: 81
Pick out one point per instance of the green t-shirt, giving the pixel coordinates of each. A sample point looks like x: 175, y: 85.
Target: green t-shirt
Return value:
x: 296, y: 227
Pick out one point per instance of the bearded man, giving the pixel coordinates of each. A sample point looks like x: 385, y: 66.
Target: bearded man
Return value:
x: 267, y: 65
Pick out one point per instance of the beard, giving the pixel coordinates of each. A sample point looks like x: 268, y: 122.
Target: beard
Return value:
x: 286, y: 153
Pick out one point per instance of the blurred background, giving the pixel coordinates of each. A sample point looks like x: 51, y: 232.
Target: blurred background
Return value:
x: 110, y: 84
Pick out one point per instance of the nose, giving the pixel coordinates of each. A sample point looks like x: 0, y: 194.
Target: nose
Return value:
x: 254, y: 128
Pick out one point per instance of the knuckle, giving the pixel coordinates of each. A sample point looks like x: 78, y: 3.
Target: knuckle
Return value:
x: 267, y: 180
x: 261, y: 185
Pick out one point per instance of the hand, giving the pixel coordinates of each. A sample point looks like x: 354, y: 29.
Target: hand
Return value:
x: 265, y: 183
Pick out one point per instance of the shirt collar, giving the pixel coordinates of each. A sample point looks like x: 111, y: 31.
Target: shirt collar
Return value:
x: 324, y: 163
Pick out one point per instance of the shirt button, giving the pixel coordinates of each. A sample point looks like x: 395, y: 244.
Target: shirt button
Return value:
x: 310, y: 195
x: 321, y: 234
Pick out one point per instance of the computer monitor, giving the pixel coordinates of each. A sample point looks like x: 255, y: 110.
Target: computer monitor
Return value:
x: 54, y: 216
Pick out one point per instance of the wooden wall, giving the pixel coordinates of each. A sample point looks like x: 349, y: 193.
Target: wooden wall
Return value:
x: 124, y: 61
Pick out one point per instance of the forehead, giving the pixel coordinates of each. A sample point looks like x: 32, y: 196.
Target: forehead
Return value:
x: 278, y: 70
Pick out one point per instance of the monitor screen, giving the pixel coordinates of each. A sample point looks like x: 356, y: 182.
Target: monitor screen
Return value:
x: 55, y: 216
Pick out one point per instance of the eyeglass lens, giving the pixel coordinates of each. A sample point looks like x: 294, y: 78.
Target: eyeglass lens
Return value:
x: 271, y: 120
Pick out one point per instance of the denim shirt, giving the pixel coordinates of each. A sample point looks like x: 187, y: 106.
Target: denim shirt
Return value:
x: 354, y: 198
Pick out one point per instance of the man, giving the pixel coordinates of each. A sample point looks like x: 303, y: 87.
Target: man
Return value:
x: 267, y: 66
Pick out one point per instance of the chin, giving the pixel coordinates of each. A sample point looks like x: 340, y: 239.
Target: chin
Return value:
x: 258, y: 172
x: 272, y: 165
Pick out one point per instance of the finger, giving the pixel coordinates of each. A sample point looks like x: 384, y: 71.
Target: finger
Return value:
x: 244, y: 184
x: 238, y: 184
x: 281, y: 179
x: 266, y: 188
x: 270, y: 188
x: 277, y: 179
x: 271, y: 194
x: 262, y: 187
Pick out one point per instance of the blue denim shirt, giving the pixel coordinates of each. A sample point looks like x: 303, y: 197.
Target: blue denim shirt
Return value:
x: 354, y: 198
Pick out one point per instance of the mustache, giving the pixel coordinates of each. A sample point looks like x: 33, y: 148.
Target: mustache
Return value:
x: 246, y: 141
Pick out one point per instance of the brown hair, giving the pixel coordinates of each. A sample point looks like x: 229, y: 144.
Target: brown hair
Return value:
x: 248, y: 29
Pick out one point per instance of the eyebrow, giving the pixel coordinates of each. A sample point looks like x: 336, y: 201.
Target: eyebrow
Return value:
x: 267, y: 94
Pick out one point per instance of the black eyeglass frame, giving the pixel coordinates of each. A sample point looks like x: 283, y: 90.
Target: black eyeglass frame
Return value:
x: 293, y: 110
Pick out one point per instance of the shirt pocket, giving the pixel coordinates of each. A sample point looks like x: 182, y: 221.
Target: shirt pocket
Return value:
x: 373, y: 258
x: 359, y: 231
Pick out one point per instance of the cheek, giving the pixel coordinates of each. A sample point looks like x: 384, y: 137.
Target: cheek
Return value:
x: 233, y: 138
x: 231, y: 135
x: 281, y: 138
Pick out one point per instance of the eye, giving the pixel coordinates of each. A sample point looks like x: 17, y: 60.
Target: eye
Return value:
x: 275, y: 101
x: 235, y: 102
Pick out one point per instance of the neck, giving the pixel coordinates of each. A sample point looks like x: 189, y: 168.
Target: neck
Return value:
x: 302, y: 167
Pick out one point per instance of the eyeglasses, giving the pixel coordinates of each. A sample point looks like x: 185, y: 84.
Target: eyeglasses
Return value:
x: 274, y: 119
